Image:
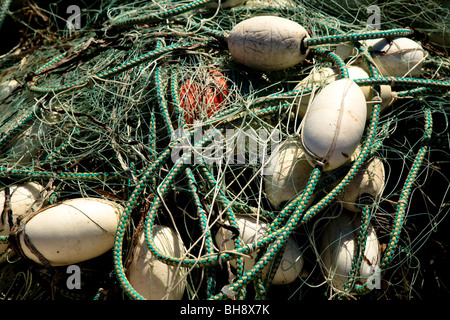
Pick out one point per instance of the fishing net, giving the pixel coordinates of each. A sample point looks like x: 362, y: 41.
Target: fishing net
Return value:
x: 135, y: 102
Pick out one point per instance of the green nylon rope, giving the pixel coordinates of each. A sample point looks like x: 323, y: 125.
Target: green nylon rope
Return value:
x: 5, y: 138
x: 62, y: 175
x: 231, y: 217
x: 432, y: 84
x: 360, y: 245
x: 124, y: 220
x: 127, y: 22
x: 4, y: 239
x: 211, y: 283
x: 359, y: 252
x: 282, y: 234
x: 349, y: 37
x: 343, y: 70
x: 400, y: 215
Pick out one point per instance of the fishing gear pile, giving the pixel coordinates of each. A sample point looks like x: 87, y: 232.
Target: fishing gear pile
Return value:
x: 213, y: 150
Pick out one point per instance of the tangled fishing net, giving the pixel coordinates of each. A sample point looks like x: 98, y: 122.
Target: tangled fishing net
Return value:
x: 132, y: 103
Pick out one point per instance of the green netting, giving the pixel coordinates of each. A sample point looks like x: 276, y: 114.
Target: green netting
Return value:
x: 97, y: 111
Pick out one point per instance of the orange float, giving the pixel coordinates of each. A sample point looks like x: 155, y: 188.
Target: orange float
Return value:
x: 204, y: 96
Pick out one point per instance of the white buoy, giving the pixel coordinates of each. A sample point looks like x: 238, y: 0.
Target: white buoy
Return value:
x: 368, y: 182
x: 401, y: 57
x: 24, y: 199
x: 251, y: 231
x: 267, y: 43
x: 334, y: 124
x: 151, y: 278
x: 287, y: 173
x: 70, y: 231
x: 338, y: 245
x: 324, y: 76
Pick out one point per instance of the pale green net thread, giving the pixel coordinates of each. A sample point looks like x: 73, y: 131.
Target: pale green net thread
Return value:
x: 292, y: 216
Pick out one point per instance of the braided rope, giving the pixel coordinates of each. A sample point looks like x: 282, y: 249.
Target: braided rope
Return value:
x: 109, y: 73
x: 343, y: 70
x: 210, y: 279
x: 432, y: 84
x: 400, y: 214
x: 309, y: 42
x: 127, y: 22
x: 5, y: 138
x: 281, y: 237
x: 360, y: 249
x: 4, y: 239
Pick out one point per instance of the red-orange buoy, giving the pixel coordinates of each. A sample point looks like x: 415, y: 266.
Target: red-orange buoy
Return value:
x: 204, y: 96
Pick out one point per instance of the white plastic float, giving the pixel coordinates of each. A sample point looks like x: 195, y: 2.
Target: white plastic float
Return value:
x: 151, y: 278
x: 70, y: 231
x: 24, y: 199
x: 287, y: 173
x: 338, y: 245
x: 324, y: 76
x: 334, y: 124
x: 251, y: 231
x: 401, y: 57
x: 267, y: 43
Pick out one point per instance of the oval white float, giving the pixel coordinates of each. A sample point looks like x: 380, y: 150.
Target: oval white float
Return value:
x: 397, y: 58
x: 338, y: 245
x: 250, y: 231
x: 70, y: 231
x: 334, y: 124
x: 267, y: 43
x: 322, y: 77
x: 151, y: 278
x: 401, y: 57
x: 287, y: 173
x: 24, y: 200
